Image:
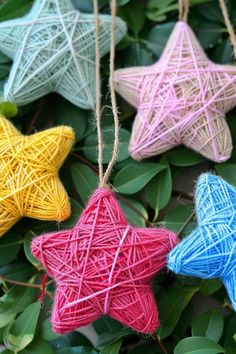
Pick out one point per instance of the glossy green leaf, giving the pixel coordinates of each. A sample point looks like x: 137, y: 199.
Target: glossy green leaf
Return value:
x: 27, y: 248
x: 17, y: 271
x: 46, y: 332
x: 13, y: 302
x: 132, y: 178
x: 8, y: 109
x: 229, y: 332
x: 134, y: 15
x: 85, y: 180
x: 158, y: 37
x: 227, y: 171
x: 209, y: 324
x: 113, y: 348
x: 14, y: 8
x: 158, y: 191
x: 198, y: 345
x: 184, y: 157
x: 38, y: 346
x: 91, y: 145
x: 65, y: 113
x: 134, y: 211
x: 171, y: 306
x: 20, y: 332
x: 177, y: 217
x: 210, y: 286
x: 9, y: 248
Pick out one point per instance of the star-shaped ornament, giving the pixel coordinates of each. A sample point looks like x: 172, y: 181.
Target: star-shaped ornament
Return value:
x: 29, y: 181
x: 104, y: 266
x: 53, y: 50
x: 210, y: 250
x: 181, y: 99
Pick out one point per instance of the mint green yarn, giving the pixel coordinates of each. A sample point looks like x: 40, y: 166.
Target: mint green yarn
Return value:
x: 53, y: 50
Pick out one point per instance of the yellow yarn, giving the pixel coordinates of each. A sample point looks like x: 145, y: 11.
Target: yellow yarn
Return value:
x: 29, y: 181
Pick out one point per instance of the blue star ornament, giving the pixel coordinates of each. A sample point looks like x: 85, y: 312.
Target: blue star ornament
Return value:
x: 210, y: 250
x: 53, y: 50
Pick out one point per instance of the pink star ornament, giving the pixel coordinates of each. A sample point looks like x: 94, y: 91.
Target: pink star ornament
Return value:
x: 181, y: 99
x: 104, y: 266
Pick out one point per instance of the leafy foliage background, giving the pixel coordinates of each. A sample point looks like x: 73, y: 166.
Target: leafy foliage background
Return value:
x: 196, y: 316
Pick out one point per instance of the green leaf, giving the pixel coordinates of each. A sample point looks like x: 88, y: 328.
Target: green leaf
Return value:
x: 19, y: 333
x: 134, y: 15
x: 227, y: 171
x: 230, y: 331
x: 76, y: 211
x: 77, y: 350
x: 65, y: 113
x: 27, y: 248
x: 158, y: 37
x: 38, y: 346
x: 184, y: 157
x: 9, y: 247
x: 134, y: 211
x: 171, y: 306
x: 91, y: 145
x: 177, y: 216
x: 46, y: 332
x: 4, y: 70
x: 122, y: 2
x: 132, y: 178
x: 113, y: 337
x: 198, y: 345
x: 209, y: 324
x: 158, y: 190
x: 17, y: 271
x: 210, y: 286
x: 14, y: 8
x: 13, y: 302
x: 209, y: 33
x: 85, y: 180
x: 8, y: 109
x: 113, y: 348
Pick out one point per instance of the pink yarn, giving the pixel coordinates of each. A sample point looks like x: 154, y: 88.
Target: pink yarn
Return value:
x: 181, y: 99
x: 103, y: 266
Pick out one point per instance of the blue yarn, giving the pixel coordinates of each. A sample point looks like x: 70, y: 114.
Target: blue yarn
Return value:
x: 210, y: 250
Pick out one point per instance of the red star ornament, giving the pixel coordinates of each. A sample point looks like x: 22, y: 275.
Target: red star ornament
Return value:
x: 104, y: 266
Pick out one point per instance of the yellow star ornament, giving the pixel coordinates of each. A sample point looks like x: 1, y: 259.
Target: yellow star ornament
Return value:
x: 29, y: 181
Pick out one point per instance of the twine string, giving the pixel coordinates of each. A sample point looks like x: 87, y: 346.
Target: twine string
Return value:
x: 184, y: 7
x: 98, y: 95
x: 104, y: 178
x: 229, y: 25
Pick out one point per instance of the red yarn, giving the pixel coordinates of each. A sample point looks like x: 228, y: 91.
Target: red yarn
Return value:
x: 104, y: 266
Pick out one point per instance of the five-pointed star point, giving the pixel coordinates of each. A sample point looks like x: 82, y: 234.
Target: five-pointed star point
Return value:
x: 29, y: 182
x: 104, y: 266
x: 210, y: 250
x: 181, y: 99
x: 53, y: 50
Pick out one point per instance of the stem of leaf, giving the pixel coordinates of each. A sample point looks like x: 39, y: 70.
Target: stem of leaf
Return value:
x: 15, y: 282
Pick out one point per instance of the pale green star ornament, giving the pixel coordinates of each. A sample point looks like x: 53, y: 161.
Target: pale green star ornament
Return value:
x: 53, y: 50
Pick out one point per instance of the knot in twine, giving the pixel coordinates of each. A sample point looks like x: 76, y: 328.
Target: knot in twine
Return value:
x: 104, y: 266
x: 210, y: 250
x: 53, y: 48
x: 181, y: 99
x: 29, y: 182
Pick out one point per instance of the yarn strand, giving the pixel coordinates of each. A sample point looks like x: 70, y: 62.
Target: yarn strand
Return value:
x: 113, y: 96
x: 229, y: 25
x: 98, y: 94
x: 183, y: 10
